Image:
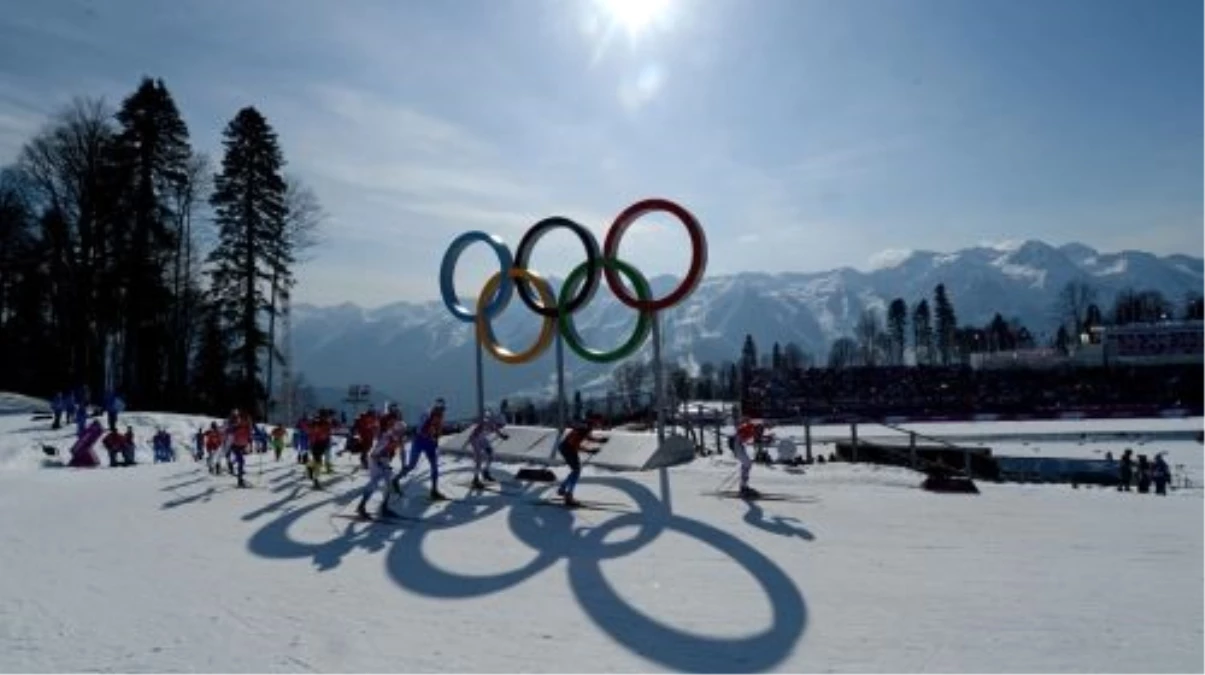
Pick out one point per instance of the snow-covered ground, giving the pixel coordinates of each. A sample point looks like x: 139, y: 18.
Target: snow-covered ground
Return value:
x: 164, y: 568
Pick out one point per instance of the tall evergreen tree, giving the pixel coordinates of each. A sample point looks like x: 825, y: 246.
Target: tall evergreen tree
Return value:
x: 1194, y: 307
x: 922, y: 333
x: 999, y: 335
x: 1062, y: 340
x: 947, y: 324
x: 249, y: 201
x: 794, y: 358
x: 210, y: 375
x: 844, y: 353
x: 748, y: 360
x: 152, y: 154
x: 897, y: 327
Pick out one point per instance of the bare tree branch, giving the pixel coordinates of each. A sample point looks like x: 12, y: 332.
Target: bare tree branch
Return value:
x: 303, y: 220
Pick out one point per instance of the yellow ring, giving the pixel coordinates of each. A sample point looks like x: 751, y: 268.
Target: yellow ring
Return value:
x: 485, y: 333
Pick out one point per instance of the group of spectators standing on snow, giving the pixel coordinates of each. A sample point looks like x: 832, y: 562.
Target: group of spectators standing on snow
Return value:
x: 1142, y: 473
x: 73, y: 407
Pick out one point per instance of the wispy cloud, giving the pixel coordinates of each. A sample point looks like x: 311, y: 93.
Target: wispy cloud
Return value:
x: 797, y: 147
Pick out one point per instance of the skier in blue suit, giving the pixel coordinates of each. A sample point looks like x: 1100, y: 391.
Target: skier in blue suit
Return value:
x: 426, y: 442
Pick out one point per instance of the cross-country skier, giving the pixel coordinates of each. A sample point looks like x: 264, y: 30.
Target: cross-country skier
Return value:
x: 301, y: 439
x: 479, y: 439
x: 571, y: 447
x: 240, y: 444
x: 746, y: 433
x: 380, y: 471
x: 213, y: 443
x: 320, y: 444
x: 278, y: 441
x: 426, y: 442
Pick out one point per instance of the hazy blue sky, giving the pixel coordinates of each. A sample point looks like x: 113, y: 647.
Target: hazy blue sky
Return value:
x: 805, y: 135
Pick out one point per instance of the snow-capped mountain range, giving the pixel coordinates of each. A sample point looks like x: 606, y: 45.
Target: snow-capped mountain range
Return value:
x: 418, y: 350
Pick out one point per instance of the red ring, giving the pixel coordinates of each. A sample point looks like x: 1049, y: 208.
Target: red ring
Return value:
x: 698, y: 254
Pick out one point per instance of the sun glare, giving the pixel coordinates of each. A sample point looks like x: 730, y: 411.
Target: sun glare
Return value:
x: 635, y: 16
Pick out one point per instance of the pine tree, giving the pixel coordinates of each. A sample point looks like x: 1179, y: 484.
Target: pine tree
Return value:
x: 1062, y: 340
x: 1194, y: 307
x: 252, y: 248
x: 152, y: 154
x: 794, y: 358
x: 897, y: 326
x: 947, y: 324
x: 922, y: 333
x: 210, y: 378
x: 748, y: 364
x: 999, y: 335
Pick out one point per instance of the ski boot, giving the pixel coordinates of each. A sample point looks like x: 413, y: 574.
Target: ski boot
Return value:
x: 437, y: 496
x: 747, y: 492
x: 561, y: 491
x: 570, y: 501
x: 487, y: 477
x: 386, y: 512
x: 477, y: 484
x: 242, y: 483
x: 362, y: 509
x: 328, y: 468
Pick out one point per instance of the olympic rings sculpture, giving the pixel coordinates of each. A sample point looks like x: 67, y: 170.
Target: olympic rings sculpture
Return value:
x: 557, y: 312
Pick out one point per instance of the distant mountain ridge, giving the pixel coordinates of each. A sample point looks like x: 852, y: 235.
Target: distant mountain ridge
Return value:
x: 419, y: 351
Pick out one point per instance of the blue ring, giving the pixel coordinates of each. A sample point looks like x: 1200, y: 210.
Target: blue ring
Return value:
x: 447, y: 275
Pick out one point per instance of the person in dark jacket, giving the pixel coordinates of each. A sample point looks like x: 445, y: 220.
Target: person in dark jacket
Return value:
x: 1144, y: 475
x: 1127, y: 470
x: 1161, y: 474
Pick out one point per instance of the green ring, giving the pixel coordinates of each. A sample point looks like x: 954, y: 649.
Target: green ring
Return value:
x: 644, y: 322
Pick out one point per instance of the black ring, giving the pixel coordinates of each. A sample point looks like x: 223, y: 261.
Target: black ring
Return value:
x: 593, y: 268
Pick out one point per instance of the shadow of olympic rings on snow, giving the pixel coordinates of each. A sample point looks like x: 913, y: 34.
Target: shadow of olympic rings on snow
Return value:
x: 554, y: 534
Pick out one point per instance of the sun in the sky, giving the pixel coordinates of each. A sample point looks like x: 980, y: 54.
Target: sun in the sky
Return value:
x: 634, y: 16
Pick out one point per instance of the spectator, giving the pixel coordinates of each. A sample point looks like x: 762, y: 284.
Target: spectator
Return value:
x: 1162, y: 475
x: 1144, y: 474
x: 1127, y: 470
x: 162, y: 444
x: 114, y: 406
x: 56, y: 405
x: 115, y: 444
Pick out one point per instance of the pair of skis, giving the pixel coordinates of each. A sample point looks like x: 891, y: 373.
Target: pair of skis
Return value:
x: 760, y: 496
x: 579, y: 504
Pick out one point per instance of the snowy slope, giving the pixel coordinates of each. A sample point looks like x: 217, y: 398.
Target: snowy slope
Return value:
x: 164, y: 568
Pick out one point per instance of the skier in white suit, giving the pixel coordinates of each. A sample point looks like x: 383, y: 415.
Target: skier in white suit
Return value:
x: 483, y: 451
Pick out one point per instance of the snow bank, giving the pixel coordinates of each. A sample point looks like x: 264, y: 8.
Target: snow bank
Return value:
x: 20, y: 404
